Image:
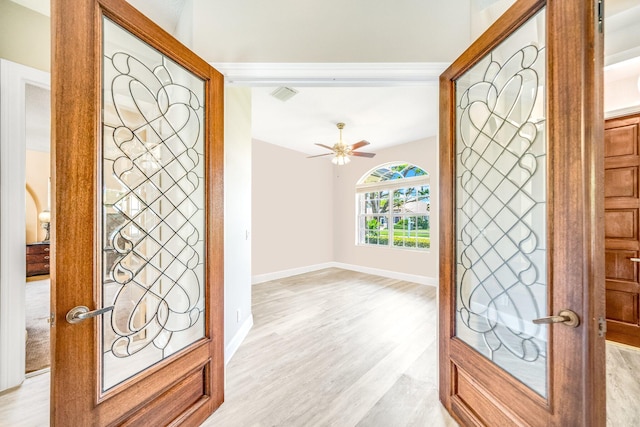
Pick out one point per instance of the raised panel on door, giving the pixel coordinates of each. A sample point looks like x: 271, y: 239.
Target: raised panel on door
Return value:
x: 521, y: 237
x: 621, y: 224
x: 621, y: 182
x: 137, y: 225
x: 622, y: 243
x: 622, y: 306
x: 618, y: 267
x: 621, y: 141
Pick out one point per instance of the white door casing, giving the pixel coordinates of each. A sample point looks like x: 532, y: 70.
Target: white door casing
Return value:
x: 13, y: 81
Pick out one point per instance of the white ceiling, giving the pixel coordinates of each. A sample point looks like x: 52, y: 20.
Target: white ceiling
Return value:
x: 384, y: 116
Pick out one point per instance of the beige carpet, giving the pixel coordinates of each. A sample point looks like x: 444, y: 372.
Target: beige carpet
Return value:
x: 37, y: 312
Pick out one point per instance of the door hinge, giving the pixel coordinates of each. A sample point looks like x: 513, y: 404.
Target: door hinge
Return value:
x: 602, y: 326
x: 51, y: 319
x: 600, y: 15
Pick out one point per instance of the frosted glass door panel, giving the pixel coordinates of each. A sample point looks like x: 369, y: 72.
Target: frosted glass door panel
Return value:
x: 153, y: 219
x: 501, y: 232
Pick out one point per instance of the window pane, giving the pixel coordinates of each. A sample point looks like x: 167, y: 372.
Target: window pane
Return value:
x: 375, y: 230
x: 153, y: 207
x: 411, y: 231
x: 501, y: 193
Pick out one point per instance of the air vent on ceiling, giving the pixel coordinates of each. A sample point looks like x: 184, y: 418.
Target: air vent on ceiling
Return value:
x: 284, y: 93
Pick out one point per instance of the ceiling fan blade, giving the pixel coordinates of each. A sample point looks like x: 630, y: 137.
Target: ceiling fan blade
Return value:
x: 325, y: 146
x: 360, y: 154
x: 359, y: 144
x: 320, y: 155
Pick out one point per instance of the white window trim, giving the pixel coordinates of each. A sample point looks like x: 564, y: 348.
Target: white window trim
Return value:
x: 392, y: 184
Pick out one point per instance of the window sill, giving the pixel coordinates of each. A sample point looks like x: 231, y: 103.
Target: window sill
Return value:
x: 395, y: 248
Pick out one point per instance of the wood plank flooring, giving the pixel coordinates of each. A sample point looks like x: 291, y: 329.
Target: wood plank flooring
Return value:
x: 623, y: 385
x: 27, y: 405
x: 339, y: 348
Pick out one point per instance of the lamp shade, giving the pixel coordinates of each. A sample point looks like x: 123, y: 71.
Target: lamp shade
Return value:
x: 44, y: 216
x: 340, y: 160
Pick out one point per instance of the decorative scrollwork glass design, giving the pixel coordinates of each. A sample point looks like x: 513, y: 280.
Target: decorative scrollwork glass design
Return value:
x: 153, y: 198
x: 501, y: 234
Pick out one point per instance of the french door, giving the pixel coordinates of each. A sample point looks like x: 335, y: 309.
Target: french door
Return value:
x: 137, y: 279
x: 522, y: 315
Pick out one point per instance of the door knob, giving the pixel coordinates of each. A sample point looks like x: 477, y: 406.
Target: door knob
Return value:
x: 81, y: 312
x: 567, y: 317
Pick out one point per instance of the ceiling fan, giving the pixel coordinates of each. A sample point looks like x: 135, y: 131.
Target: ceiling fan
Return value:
x: 341, y: 151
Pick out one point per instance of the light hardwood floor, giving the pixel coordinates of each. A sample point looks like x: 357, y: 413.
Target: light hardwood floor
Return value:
x: 339, y: 348
x: 623, y: 385
x: 336, y: 348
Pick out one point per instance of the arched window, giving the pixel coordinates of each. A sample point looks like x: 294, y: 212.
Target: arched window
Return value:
x: 393, y: 207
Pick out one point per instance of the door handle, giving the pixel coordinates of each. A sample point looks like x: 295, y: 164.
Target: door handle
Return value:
x: 81, y: 312
x: 567, y: 317
x: 635, y: 259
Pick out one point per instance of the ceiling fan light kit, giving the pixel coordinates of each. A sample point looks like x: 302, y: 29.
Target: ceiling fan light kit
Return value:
x: 341, y: 151
x: 340, y: 160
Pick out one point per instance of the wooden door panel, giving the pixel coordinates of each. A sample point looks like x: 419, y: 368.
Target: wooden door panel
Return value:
x: 185, y: 383
x: 623, y: 306
x: 468, y: 393
x: 623, y: 182
x: 623, y: 332
x: 618, y: 267
x: 165, y: 408
x: 630, y: 287
x: 621, y: 224
x: 549, y: 384
x: 621, y: 228
x: 621, y: 141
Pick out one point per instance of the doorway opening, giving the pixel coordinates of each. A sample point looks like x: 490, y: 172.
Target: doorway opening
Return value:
x: 37, y: 222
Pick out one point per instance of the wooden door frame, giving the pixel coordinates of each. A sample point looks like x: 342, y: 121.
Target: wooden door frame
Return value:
x: 75, y: 178
x: 576, y: 182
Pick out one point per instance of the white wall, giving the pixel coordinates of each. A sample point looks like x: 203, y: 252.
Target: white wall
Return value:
x: 237, y: 217
x: 623, y: 94
x: 184, y: 27
x: 25, y: 36
x: 314, y: 197
x: 292, y: 209
x: 486, y: 12
x: 423, y: 153
x: 331, y: 30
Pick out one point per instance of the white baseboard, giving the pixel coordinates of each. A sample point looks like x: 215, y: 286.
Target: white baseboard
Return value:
x: 260, y: 278
x: 234, y: 344
x: 423, y: 280
x: 415, y: 278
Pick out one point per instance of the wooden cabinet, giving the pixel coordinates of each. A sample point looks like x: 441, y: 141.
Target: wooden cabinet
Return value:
x: 38, y: 258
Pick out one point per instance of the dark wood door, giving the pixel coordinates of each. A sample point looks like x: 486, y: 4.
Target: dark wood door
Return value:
x: 622, y: 241
x: 137, y: 222
x: 521, y: 221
